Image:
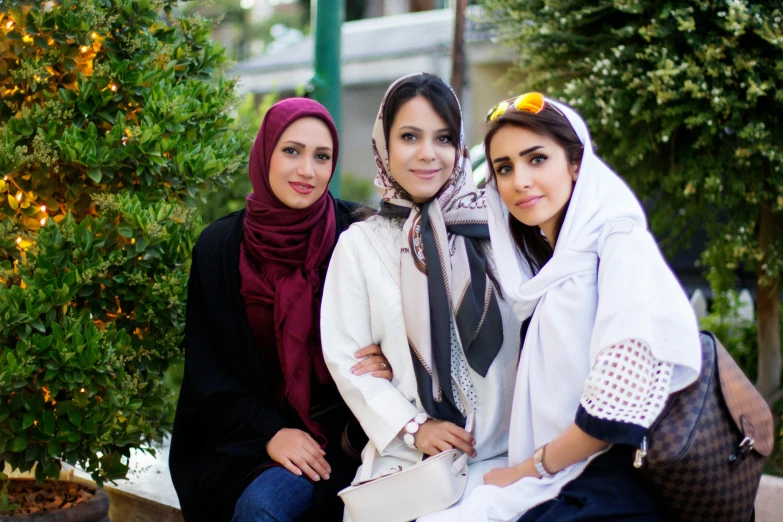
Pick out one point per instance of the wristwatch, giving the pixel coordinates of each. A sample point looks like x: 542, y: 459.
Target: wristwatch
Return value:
x: 412, y: 427
x: 538, y: 462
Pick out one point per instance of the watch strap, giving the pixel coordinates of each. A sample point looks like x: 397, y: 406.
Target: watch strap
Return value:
x: 538, y: 463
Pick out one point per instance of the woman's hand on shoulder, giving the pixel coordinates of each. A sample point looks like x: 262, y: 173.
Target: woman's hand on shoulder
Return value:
x: 435, y: 436
x: 299, y: 453
x: 372, y: 362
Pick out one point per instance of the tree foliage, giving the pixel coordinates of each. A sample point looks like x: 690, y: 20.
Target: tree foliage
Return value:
x: 111, y: 125
x: 233, y: 197
x: 684, y: 98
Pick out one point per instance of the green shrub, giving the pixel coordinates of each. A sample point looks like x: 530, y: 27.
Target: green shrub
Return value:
x: 232, y: 195
x: 359, y: 189
x: 737, y: 334
x: 112, y: 124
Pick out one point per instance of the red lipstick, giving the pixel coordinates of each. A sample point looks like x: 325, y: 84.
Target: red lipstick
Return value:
x: 302, y: 188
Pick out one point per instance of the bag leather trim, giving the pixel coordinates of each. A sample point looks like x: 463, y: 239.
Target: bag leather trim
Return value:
x: 749, y: 410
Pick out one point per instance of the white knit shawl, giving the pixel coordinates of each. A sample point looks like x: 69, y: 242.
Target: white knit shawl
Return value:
x: 640, y: 299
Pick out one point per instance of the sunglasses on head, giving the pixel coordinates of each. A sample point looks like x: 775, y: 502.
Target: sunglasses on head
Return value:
x: 532, y: 102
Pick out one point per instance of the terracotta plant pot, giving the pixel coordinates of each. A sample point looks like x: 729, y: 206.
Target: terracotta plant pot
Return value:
x: 96, y: 509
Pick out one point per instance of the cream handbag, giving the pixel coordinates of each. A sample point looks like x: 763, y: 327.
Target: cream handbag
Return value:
x: 400, y: 495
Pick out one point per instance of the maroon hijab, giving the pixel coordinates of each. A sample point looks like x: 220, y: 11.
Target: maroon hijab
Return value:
x: 283, y: 255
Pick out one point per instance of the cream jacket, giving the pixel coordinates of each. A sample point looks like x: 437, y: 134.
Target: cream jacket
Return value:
x: 361, y: 306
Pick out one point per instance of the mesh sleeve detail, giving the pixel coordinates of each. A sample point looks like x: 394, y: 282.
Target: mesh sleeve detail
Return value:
x: 627, y: 384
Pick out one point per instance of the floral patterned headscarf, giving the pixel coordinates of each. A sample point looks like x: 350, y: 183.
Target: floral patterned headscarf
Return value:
x: 443, y: 270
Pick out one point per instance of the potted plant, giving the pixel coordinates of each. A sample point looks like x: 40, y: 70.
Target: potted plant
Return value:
x: 111, y: 124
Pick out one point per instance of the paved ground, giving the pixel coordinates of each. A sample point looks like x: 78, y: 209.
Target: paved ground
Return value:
x: 150, y: 477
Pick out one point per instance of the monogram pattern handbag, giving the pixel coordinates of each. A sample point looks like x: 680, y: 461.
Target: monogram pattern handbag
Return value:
x: 705, y: 454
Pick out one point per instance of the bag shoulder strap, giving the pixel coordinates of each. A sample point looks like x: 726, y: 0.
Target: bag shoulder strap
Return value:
x: 746, y: 406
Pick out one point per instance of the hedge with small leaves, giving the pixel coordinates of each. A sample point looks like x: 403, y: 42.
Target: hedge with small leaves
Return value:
x: 683, y: 97
x: 114, y: 120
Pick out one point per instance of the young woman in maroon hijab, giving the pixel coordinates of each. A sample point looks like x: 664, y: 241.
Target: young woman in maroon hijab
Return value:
x: 261, y: 432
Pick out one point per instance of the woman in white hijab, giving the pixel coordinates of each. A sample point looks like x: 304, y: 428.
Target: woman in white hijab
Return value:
x: 417, y: 279
x: 610, y: 333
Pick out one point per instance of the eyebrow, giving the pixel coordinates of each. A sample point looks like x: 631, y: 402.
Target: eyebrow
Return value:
x: 303, y: 146
x: 411, y: 127
x: 524, y: 152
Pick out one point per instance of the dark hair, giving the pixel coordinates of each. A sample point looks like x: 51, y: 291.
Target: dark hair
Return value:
x: 551, y: 123
x: 432, y: 89
x: 445, y: 104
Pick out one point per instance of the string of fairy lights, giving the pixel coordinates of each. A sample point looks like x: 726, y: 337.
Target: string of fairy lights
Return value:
x: 23, y: 199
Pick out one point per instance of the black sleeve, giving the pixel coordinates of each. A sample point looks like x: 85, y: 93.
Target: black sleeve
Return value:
x: 223, y: 419
x: 231, y: 414
x: 349, y: 212
x: 613, y: 432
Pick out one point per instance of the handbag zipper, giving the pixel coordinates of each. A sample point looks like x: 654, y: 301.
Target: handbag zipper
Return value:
x: 638, y: 459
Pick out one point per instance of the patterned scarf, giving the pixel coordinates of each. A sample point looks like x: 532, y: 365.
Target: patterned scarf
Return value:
x: 443, y: 271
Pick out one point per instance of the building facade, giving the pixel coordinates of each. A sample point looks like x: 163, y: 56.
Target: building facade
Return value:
x: 375, y: 52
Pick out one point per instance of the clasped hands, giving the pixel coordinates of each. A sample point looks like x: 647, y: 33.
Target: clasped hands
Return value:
x: 297, y: 451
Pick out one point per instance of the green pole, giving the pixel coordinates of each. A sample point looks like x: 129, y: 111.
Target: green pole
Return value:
x: 327, y: 17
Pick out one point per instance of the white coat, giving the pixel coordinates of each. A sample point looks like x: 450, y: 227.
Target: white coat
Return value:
x: 361, y: 306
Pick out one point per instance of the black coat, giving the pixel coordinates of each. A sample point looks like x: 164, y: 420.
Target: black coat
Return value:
x: 226, y: 413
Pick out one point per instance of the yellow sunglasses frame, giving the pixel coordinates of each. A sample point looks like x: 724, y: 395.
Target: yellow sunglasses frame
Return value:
x: 532, y: 102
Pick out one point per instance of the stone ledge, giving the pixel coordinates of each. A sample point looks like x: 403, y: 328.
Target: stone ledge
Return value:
x: 129, y: 507
x: 769, y: 500
x: 132, y: 502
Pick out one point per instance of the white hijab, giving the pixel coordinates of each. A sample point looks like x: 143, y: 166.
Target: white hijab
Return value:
x: 640, y: 299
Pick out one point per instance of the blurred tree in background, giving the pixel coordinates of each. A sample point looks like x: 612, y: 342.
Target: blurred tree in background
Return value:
x: 232, y: 197
x: 684, y: 99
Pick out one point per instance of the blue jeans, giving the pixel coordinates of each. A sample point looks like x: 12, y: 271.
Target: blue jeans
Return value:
x: 276, y: 495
